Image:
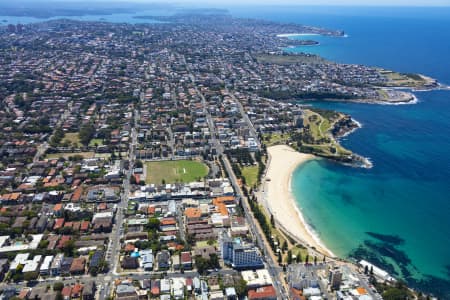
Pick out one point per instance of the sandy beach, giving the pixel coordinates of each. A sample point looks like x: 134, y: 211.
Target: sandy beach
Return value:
x: 279, y: 200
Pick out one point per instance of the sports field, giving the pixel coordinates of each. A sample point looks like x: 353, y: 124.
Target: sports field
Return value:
x: 175, y: 171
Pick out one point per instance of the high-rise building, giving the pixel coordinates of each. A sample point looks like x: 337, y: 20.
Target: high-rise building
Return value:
x: 335, y: 279
x: 240, y: 255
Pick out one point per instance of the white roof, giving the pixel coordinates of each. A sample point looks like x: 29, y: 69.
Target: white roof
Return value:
x: 377, y: 271
x: 107, y: 214
x: 19, y: 247
x: 165, y: 285
x: 257, y: 278
x: 47, y: 262
x: 20, y: 259
x: 311, y: 292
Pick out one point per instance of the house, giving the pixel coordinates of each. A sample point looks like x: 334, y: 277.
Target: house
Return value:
x: 58, y: 223
x: 145, y: 284
x: 130, y: 263
x: 66, y: 264
x: 24, y: 293
x: 205, y: 252
x: 46, y: 264
x: 63, y: 241
x: 95, y: 261
x: 186, y: 260
x: 78, y: 266
x: 58, y: 210
x: 20, y: 259
x: 55, y: 268
x: 42, y: 293
x: 263, y: 293
x: 230, y: 293
x: 257, y: 278
x: 155, y: 290
x: 84, y: 227
x: 189, y: 283
x: 177, y: 288
x: 192, y: 214
x: 76, y: 291
x: 216, y: 295
x: 165, y: 286
x: 163, y: 259
x: 176, y: 262
x: 102, y: 224
x: 147, y: 259
x: 41, y: 224
x: 126, y: 291
x: 88, y: 291
x: 67, y: 292
x: 19, y: 222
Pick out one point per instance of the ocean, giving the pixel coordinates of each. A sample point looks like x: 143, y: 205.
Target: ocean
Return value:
x: 396, y: 214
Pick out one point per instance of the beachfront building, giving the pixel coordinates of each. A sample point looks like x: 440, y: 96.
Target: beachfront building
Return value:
x: 240, y: 255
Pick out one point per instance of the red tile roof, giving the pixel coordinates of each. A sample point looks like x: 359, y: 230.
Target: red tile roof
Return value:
x: 262, y: 293
x: 66, y: 291
x: 58, y: 223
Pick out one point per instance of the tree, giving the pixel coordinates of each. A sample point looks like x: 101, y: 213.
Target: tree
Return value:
x: 59, y: 296
x: 285, y: 246
x: 279, y: 257
x: 298, y: 258
x: 30, y: 276
x: 153, y: 224
x: 395, y: 293
x: 58, y: 135
x: 289, y: 257
x: 241, y: 288
x: 214, y: 261
x: 86, y: 133
x: 58, y: 286
x: 43, y: 244
x: 307, y: 259
x: 190, y: 239
x: 69, y: 248
x: 315, y: 260
x: 272, y: 221
x: 138, y: 164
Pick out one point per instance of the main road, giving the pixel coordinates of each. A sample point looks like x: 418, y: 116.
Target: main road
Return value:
x: 112, y: 253
x: 255, y: 229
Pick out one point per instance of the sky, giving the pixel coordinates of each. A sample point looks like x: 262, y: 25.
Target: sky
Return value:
x: 289, y: 2
x: 314, y: 2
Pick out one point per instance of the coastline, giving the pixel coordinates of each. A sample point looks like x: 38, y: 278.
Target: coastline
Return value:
x: 288, y: 35
x: 279, y: 200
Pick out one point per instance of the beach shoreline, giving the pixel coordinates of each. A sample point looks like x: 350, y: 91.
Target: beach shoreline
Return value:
x: 279, y: 200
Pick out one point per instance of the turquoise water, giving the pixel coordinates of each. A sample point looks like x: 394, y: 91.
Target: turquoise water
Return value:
x: 397, y: 214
